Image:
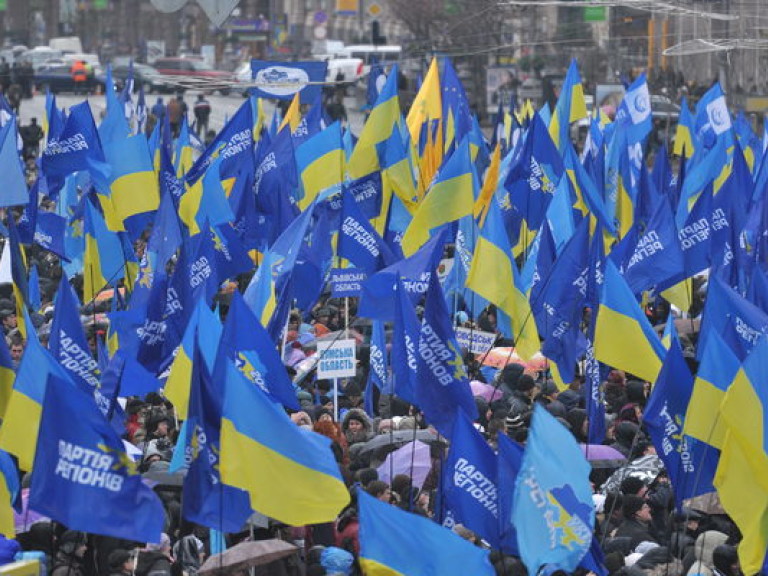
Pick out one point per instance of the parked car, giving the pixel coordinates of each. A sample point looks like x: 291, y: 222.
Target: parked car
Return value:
x: 190, y: 72
x: 58, y: 78
x: 143, y: 75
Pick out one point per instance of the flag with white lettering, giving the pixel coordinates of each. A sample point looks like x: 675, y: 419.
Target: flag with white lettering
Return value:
x: 405, y: 338
x: 469, y: 481
x: 442, y: 385
x: 691, y: 464
x: 83, y: 477
x: 68, y: 344
x: 358, y: 241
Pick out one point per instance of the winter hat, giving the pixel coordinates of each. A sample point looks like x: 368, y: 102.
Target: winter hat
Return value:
x: 724, y: 557
x: 354, y: 416
x: 631, y: 505
x: 645, y: 546
x: 511, y: 374
x: 549, y: 388
x: 631, y: 485
x: 614, y: 561
x: 70, y: 540
x: 117, y: 558
x: 576, y: 418
x: 336, y: 561
x: 525, y: 383
x: 626, y: 432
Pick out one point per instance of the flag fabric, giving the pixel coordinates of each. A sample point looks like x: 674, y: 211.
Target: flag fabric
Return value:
x: 320, y: 161
x: 18, y: 434
x: 493, y: 276
x: 247, y: 344
x: 624, y: 338
x: 7, y: 377
x: 450, y: 197
x: 414, y: 273
x: 570, y: 107
x: 67, y: 342
x: 690, y: 463
x: 634, y: 118
x: 80, y: 460
x: 442, y: 386
x: 396, y: 543
x: 405, y: 340
x: 207, y: 500
x: 553, y: 509
x: 427, y: 105
x: 103, y: 260
x: 741, y: 475
x: 469, y: 480
x: 685, y: 145
x: 358, y: 241
x: 10, y: 488
x: 290, y: 473
x: 14, y: 183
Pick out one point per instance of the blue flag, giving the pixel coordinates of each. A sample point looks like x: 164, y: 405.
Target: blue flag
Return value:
x: 469, y: 481
x: 553, y: 510
x: 207, y: 500
x: 442, y: 385
x: 414, y: 273
x: 248, y: 345
x: 81, y: 461
x: 691, y: 464
x: 405, y: 339
x: 509, y: 462
x: 358, y: 241
x: 68, y: 344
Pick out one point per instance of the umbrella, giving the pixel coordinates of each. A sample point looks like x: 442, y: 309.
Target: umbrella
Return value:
x: 164, y: 478
x: 490, y: 393
x: 647, y: 468
x: 246, y: 555
x: 413, y: 459
x: 502, y: 355
x: 601, y: 456
x: 23, y: 522
x: 428, y: 436
x: 708, y: 503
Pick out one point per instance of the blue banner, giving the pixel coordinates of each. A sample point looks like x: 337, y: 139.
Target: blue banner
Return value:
x: 282, y: 80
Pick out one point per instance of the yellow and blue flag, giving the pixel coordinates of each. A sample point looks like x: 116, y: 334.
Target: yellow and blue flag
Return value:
x: 7, y: 376
x: 427, y: 106
x: 10, y: 489
x: 206, y: 201
x: 685, y: 144
x: 742, y: 476
x: 570, y: 107
x: 624, y: 338
x: 377, y: 128
x: 396, y: 543
x: 81, y: 461
x: 450, y: 197
x: 21, y: 424
x: 320, y: 162
x: 103, y: 260
x: 290, y: 473
x: 553, y: 510
x: 494, y: 276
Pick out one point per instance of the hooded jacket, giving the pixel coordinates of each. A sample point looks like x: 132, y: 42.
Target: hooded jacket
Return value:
x: 703, y: 549
x: 367, y: 426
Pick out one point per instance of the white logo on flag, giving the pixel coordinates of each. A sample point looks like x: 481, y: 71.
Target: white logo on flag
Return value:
x: 719, y: 117
x: 639, y: 104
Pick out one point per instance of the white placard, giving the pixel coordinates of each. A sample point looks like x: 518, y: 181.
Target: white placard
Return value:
x: 336, y: 359
x: 481, y: 342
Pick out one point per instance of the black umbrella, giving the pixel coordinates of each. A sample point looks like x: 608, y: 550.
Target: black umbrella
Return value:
x: 427, y: 436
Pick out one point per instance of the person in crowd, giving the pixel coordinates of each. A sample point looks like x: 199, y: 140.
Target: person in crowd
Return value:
x: 121, y: 563
x: 69, y: 556
x: 202, y: 112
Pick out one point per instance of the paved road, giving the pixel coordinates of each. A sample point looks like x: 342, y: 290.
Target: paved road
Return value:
x: 222, y: 107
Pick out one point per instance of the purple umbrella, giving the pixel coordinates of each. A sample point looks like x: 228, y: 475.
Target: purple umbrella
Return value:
x: 490, y: 393
x: 601, y: 456
x: 412, y: 459
x: 22, y: 522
